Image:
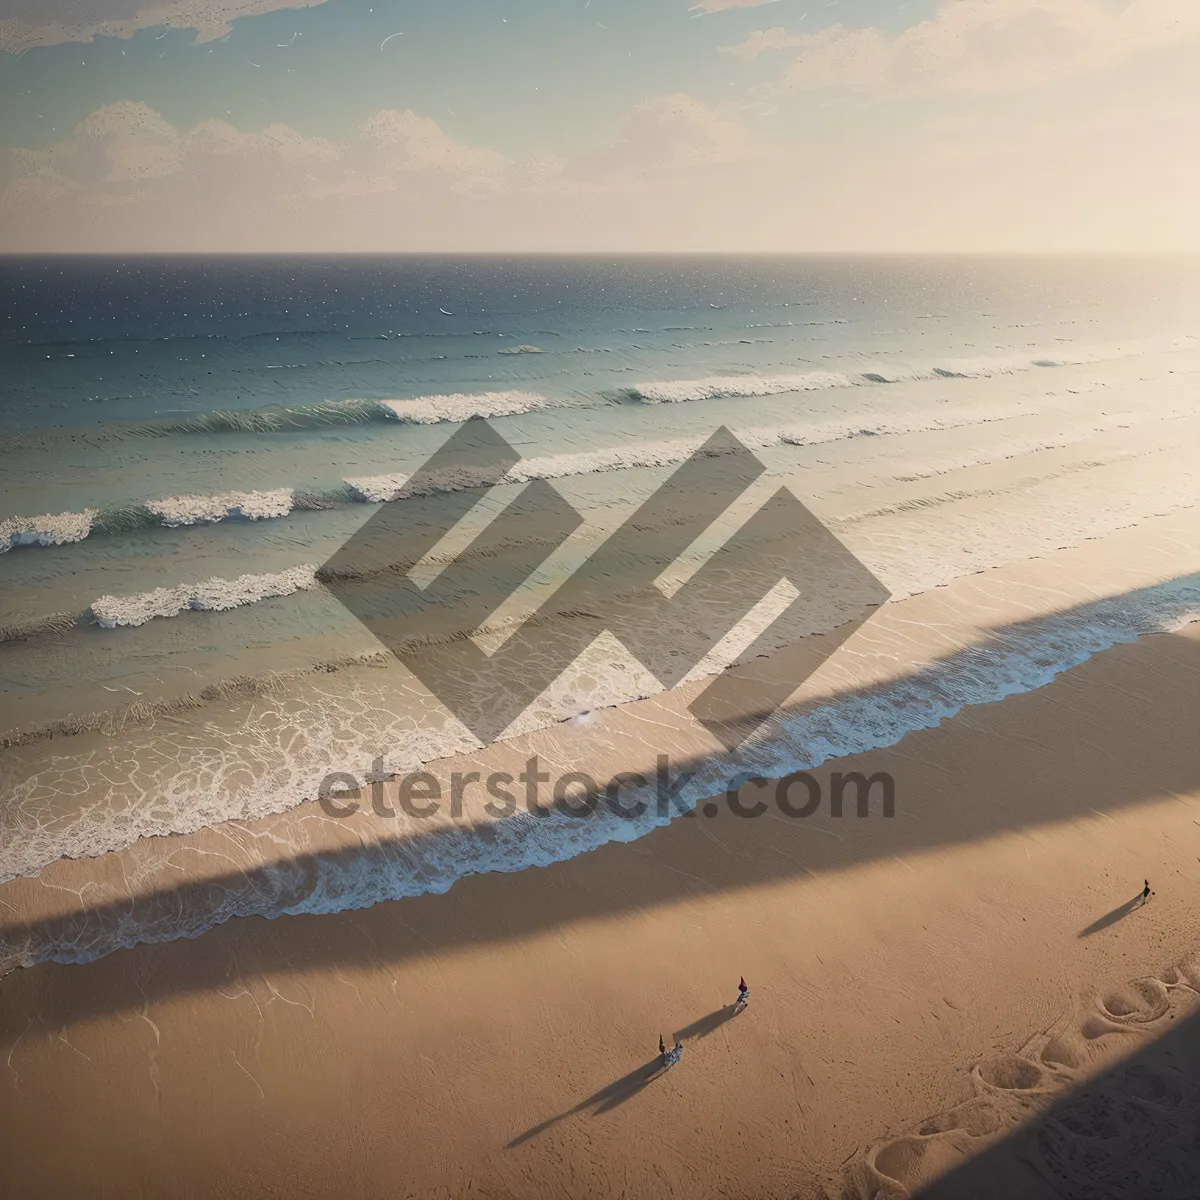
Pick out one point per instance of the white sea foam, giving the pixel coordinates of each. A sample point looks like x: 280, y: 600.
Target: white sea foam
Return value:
x: 724, y: 387
x: 383, y: 488
x: 116, y: 611
x: 293, y: 746
x: 727, y: 387
x: 1021, y: 660
x: 174, y: 511
x: 213, y: 595
x: 49, y: 530
x: 986, y: 366
x: 462, y: 406
x: 909, y: 561
x: 160, y: 789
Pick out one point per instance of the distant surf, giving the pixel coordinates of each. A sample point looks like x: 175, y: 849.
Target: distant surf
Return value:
x: 280, y: 419
x: 188, y: 510
x: 733, y: 387
x: 438, y: 408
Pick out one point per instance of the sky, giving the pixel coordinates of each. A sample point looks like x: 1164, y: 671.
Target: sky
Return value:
x: 599, y: 125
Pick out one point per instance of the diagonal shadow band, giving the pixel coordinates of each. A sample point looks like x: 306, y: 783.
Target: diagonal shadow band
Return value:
x: 1131, y: 1132
x: 1009, y: 791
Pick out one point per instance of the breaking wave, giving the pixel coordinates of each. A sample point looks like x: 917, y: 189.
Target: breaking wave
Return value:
x: 48, y: 530
x: 732, y: 387
x: 213, y: 595
x: 423, y: 410
x: 195, y: 510
x: 434, y: 409
x: 170, y: 511
x: 1012, y: 447
x: 462, y: 406
x: 377, y: 489
x: 176, y: 511
x: 680, y: 391
x: 1024, y: 659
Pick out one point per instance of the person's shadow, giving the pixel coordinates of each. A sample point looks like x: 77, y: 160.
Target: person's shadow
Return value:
x: 709, y: 1023
x: 605, y: 1099
x: 628, y: 1086
x: 1117, y: 914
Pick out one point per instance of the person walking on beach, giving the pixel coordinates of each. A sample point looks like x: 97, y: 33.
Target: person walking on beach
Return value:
x: 1146, y: 892
x: 743, y: 994
x: 662, y: 1046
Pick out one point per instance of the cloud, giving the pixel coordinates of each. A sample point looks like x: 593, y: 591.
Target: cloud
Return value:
x: 122, y: 152
x: 1109, y: 172
x: 704, y: 7
x: 981, y: 45
x: 763, y: 40
x: 665, y: 134
x: 28, y: 23
x: 126, y: 178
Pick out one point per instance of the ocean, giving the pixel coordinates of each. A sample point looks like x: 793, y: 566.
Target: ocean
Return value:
x: 187, y: 442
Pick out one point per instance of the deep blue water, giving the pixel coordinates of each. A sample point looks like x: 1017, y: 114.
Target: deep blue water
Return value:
x: 90, y: 340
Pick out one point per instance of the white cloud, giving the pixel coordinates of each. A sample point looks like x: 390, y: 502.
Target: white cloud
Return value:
x: 763, y: 40
x: 1113, y: 173
x: 704, y: 7
x: 28, y: 23
x: 665, y: 134
x: 120, y: 152
x: 422, y: 144
x: 126, y: 178
x: 981, y: 45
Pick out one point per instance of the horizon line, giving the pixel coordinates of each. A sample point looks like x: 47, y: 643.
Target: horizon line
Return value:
x: 1193, y: 252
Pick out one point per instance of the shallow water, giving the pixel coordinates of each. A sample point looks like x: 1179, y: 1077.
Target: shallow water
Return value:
x: 187, y: 442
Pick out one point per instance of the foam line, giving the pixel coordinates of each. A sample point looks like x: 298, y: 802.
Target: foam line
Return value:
x: 875, y: 718
x: 49, y: 530
x: 213, y: 595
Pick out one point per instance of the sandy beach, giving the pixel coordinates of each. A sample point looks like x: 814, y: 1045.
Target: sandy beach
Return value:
x: 968, y: 997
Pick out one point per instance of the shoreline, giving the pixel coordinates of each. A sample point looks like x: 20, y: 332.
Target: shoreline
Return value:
x: 924, y: 658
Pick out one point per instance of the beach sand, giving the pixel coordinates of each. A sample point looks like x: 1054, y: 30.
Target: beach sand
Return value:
x: 921, y: 986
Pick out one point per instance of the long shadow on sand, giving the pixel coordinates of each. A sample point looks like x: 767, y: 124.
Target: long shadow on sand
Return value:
x: 995, y: 755
x: 709, y: 1023
x: 1131, y: 1132
x: 605, y: 1099
x: 1117, y: 914
x: 628, y: 1086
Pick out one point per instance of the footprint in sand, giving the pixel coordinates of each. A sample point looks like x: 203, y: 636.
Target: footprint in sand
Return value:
x: 1142, y: 1000
x: 1104, y: 1128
